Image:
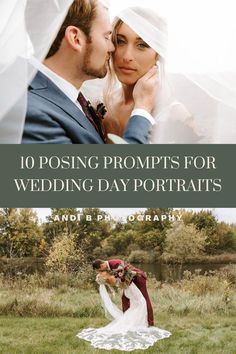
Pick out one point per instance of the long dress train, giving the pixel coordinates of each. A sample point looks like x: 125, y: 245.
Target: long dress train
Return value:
x: 129, y: 330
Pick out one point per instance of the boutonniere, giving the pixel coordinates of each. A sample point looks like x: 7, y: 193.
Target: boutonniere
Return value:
x: 98, y: 114
x: 99, y: 111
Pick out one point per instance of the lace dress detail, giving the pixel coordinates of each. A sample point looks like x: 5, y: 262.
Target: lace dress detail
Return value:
x: 129, y: 330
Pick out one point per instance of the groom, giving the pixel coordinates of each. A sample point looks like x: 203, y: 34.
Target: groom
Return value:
x: 57, y: 111
x: 139, y: 280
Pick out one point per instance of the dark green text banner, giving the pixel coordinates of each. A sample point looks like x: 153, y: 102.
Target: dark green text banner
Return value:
x: 118, y: 176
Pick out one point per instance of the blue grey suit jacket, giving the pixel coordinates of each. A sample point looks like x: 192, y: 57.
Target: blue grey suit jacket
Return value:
x: 52, y: 118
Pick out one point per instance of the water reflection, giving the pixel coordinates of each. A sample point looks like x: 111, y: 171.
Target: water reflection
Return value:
x: 167, y: 272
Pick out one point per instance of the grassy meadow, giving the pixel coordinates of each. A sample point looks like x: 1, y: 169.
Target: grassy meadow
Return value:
x: 41, y: 317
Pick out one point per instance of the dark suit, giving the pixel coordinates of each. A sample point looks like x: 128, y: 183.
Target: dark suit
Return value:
x: 53, y: 118
x: 140, y: 281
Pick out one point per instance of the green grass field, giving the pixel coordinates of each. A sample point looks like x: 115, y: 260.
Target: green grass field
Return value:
x: 191, y: 334
x: 36, y: 318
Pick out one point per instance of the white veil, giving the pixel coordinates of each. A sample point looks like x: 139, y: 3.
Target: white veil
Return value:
x: 197, y: 98
x: 27, y: 27
x: 201, y: 72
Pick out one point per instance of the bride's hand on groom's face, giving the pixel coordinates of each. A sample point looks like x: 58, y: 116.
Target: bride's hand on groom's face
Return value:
x: 145, y: 90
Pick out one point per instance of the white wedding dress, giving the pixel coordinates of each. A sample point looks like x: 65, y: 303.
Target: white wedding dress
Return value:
x: 129, y: 330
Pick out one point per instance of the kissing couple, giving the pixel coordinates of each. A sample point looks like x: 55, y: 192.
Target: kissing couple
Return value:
x: 131, y: 55
x: 130, y: 329
x: 142, y: 95
x: 83, y: 49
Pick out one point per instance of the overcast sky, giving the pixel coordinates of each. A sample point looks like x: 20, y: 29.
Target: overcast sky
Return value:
x: 223, y: 214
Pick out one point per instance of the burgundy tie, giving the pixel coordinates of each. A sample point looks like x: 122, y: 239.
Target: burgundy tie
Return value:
x: 84, y: 104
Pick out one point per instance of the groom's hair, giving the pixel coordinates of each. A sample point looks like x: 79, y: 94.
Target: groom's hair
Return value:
x: 97, y: 263
x: 81, y: 14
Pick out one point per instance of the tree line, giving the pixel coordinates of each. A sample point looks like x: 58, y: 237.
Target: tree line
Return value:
x: 198, y: 233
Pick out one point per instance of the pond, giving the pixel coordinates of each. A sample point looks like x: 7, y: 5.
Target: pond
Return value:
x: 162, y: 272
x: 170, y: 272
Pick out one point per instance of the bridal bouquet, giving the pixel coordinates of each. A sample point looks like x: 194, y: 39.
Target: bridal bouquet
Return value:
x: 124, y: 274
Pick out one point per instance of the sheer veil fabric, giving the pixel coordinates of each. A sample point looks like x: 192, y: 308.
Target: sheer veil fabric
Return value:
x: 127, y: 331
x: 197, y: 98
x: 196, y: 101
x: 27, y: 29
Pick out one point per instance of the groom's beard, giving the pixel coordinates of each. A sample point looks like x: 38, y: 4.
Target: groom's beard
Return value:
x: 87, y: 67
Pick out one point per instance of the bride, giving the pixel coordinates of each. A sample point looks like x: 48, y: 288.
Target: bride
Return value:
x: 135, y: 53
x: 127, y: 331
x: 185, y: 111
